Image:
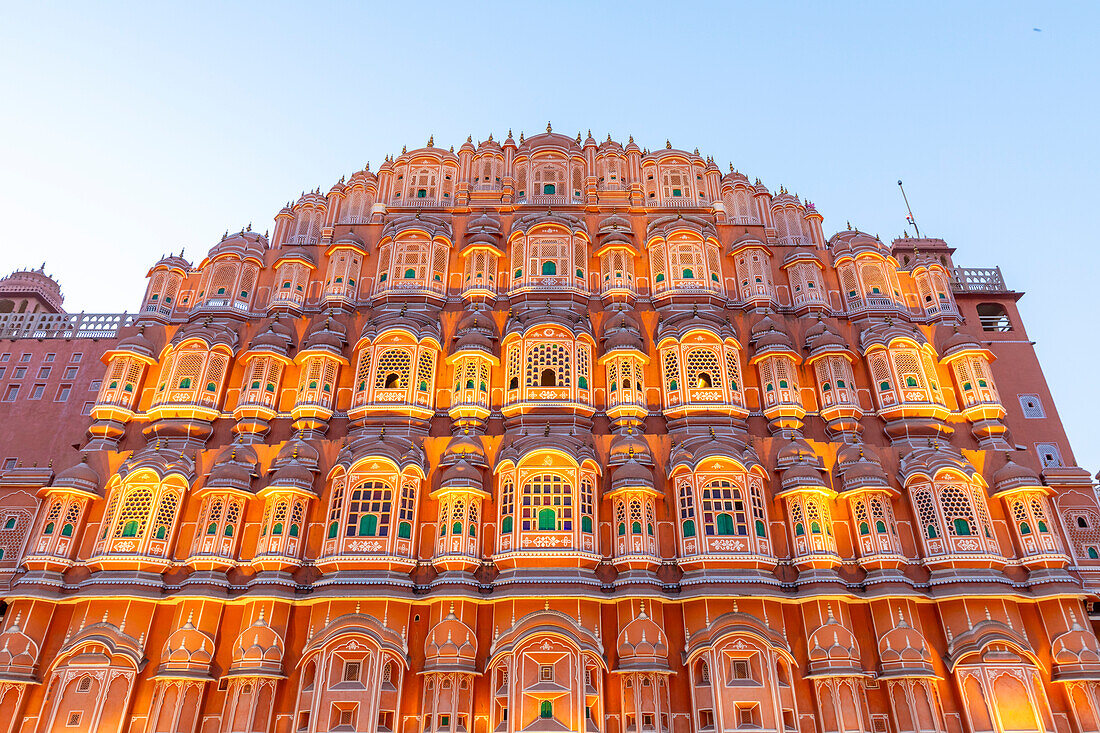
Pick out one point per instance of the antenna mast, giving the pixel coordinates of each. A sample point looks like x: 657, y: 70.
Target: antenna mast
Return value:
x: 911, y: 219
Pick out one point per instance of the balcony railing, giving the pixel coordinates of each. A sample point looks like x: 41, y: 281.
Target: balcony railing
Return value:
x: 63, y: 325
x: 549, y: 199
x: 157, y: 308
x: 679, y: 202
x: 978, y: 280
x: 301, y: 239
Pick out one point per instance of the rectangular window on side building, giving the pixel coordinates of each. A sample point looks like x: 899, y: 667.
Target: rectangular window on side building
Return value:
x: 63, y: 393
x: 37, y: 391
x: 11, y: 393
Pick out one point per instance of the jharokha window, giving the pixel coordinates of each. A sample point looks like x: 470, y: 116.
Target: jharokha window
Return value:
x: 305, y: 228
x: 217, y: 531
x: 424, y: 182
x: 807, y: 284
x: 281, y: 530
x: 674, y: 184
x: 954, y: 517
x: 58, y: 530
x: 479, y: 271
x: 869, y: 282
x: 754, y: 275
x: 342, y: 278
x: 549, y: 256
x: 701, y: 371
x: 371, y: 515
x: 228, y: 281
x: 412, y: 262
x: 685, y: 262
x: 164, y: 286
x: 262, y: 377
x: 548, y: 364
x: 317, y: 381
x: 546, y: 503
x: 395, y: 370
x: 1031, y: 518
x: 191, y: 374
x: 722, y: 511
x: 904, y: 375
x: 934, y: 290
x: 291, y: 282
x: 741, y: 205
x: 119, y: 387
x: 617, y: 270
x: 140, y: 519
x: 790, y: 226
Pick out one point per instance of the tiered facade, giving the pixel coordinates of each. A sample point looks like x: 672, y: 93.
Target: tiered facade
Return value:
x: 549, y: 435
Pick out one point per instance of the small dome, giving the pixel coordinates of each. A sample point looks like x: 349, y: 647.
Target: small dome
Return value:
x: 137, y: 343
x: 771, y: 341
x: 796, y: 451
x: 631, y: 475
x: 621, y: 333
x: 296, y: 253
x: 246, y: 244
x: 467, y: 447
x: 326, y: 334
x: 187, y: 650
x: 903, y: 647
x: 954, y: 341
x: 18, y: 651
x: 614, y: 223
x: 270, y: 341
x: 171, y: 262
x: 450, y: 643
x: 822, y: 339
x: 234, y: 469
x: 642, y: 643
x: 461, y: 474
x: 629, y: 445
x: 81, y: 477
x: 802, y: 474
x: 1013, y: 475
x: 832, y: 646
x: 350, y: 239
x: 258, y: 648
x: 1076, y: 647
x: 34, y: 283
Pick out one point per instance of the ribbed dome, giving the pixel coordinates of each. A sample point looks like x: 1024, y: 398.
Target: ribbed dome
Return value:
x: 137, y: 343
x: 80, y: 477
x: 833, y: 646
x: 450, y: 643
x: 631, y: 475
x: 461, y: 475
x: 629, y: 445
x: 327, y: 334
x: 1013, y: 475
x: 642, y: 644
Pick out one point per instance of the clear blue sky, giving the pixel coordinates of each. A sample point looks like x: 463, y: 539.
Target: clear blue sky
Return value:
x: 130, y: 130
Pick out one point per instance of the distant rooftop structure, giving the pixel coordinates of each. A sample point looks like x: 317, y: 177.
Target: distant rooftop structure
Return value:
x: 31, y: 291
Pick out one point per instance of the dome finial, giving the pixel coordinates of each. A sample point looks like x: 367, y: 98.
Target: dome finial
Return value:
x: 548, y: 127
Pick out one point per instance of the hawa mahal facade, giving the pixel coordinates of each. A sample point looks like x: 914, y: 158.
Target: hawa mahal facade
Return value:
x: 547, y: 435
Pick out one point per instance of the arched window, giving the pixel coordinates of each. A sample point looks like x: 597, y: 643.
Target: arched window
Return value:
x: 994, y: 317
x: 547, y: 504
x: 369, y: 509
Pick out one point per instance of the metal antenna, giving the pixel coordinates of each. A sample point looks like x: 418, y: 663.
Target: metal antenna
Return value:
x: 911, y: 219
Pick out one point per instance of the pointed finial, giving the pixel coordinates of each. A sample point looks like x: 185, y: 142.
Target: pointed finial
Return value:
x: 668, y: 144
x: 548, y: 128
